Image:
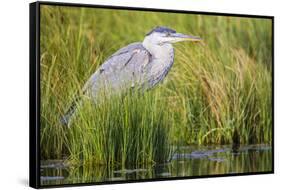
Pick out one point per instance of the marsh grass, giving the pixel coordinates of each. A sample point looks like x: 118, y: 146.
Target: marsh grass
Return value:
x: 215, y: 88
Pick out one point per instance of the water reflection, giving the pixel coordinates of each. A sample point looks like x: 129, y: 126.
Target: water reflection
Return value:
x: 188, y: 161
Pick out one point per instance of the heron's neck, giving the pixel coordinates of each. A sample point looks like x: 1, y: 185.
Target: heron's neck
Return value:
x: 160, y: 52
x: 162, y: 60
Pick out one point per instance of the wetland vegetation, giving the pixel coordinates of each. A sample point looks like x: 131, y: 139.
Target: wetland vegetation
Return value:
x: 217, y: 93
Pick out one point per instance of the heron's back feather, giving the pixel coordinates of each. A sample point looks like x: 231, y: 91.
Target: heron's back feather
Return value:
x: 124, y: 69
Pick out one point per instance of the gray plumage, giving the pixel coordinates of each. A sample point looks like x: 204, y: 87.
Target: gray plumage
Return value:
x: 140, y: 65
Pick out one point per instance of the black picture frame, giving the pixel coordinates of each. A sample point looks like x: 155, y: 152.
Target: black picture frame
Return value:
x: 34, y: 91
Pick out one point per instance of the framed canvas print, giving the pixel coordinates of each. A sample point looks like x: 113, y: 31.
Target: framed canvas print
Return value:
x: 120, y: 94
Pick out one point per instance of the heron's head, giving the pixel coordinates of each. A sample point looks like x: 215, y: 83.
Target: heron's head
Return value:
x: 163, y: 35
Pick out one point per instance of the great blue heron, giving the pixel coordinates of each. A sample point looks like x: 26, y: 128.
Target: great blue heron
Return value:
x: 140, y: 65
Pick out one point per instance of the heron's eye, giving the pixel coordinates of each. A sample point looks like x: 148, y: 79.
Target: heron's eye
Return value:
x: 168, y: 34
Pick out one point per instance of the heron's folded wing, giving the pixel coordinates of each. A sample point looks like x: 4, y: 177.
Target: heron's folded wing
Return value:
x: 128, y: 48
x: 126, y: 67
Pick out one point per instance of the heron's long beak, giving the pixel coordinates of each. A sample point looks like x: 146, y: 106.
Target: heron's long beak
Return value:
x: 183, y: 37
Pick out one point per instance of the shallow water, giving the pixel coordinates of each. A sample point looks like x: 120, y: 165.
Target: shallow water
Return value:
x: 186, y: 162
